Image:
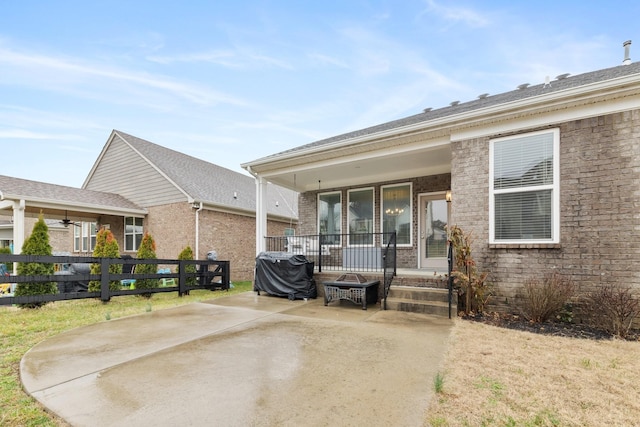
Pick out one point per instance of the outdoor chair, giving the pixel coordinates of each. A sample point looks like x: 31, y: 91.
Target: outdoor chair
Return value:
x: 169, y: 281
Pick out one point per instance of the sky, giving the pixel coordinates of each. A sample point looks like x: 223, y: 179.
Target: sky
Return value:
x: 233, y: 81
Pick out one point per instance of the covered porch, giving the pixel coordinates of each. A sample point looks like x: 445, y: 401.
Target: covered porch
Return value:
x: 352, y: 185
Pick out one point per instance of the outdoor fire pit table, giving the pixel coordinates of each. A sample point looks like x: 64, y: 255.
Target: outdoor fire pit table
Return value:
x: 352, y: 287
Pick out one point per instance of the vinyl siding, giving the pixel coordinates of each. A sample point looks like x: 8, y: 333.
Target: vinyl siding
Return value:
x: 123, y: 171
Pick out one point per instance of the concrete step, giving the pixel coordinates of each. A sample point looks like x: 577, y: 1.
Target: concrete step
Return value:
x: 435, y: 308
x: 419, y: 294
x: 421, y: 300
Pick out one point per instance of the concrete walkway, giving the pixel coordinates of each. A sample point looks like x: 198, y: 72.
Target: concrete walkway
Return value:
x: 243, y: 360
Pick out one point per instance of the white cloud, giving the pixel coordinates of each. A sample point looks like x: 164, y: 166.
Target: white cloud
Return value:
x: 242, y: 58
x: 27, y: 134
x: 464, y: 15
x: 71, y: 73
x: 326, y: 59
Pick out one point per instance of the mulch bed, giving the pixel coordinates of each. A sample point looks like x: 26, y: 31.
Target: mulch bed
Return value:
x: 561, y: 329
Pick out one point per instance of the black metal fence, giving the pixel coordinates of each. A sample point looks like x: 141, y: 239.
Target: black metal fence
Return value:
x: 339, y: 252
x: 209, y: 274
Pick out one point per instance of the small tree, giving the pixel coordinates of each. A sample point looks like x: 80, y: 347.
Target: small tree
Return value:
x: 472, y: 285
x: 187, y: 253
x: 147, y: 250
x: 36, y: 244
x: 106, y: 247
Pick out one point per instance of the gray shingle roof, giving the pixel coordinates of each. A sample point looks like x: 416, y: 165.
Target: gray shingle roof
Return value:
x: 213, y: 184
x: 480, y: 103
x: 30, y: 190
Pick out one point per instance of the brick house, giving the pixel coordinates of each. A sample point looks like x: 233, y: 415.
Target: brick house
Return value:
x: 545, y: 178
x: 136, y: 186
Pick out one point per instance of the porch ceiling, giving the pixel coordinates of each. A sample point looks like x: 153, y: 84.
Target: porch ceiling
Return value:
x: 362, y: 168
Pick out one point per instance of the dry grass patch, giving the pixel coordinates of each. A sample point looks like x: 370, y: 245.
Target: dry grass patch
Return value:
x: 500, y: 377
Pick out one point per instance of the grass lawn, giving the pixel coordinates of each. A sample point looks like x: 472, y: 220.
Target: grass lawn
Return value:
x: 22, y: 329
x: 495, y: 376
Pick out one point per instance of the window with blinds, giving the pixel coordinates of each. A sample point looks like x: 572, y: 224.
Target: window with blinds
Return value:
x: 524, y: 188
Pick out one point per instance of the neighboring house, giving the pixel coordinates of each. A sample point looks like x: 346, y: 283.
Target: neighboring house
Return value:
x: 136, y: 186
x: 188, y: 202
x: 21, y: 202
x: 545, y: 178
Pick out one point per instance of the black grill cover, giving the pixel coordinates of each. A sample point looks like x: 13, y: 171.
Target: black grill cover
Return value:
x: 284, y: 274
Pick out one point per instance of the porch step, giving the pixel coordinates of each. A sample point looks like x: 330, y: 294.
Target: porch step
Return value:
x: 420, y: 300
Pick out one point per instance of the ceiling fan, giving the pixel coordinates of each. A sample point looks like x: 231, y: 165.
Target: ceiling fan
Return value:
x: 66, y: 221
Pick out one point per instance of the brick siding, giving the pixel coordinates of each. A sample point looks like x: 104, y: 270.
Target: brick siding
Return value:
x: 406, y: 256
x: 599, y: 219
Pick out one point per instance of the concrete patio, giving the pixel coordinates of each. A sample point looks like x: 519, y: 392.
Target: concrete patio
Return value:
x: 243, y: 360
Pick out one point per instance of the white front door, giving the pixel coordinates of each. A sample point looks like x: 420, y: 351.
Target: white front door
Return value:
x: 433, y: 221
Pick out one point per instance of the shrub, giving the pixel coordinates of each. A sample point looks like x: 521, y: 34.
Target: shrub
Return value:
x: 472, y: 285
x: 106, y: 247
x: 545, y: 299
x: 36, y: 244
x: 6, y: 250
x: 613, y: 308
x: 187, y: 253
x: 147, y: 250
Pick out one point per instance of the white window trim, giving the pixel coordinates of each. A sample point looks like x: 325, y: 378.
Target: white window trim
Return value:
x: 399, y: 184
x: 135, y: 248
x: 341, y: 214
x: 373, y: 217
x: 555, y: 191
x: 79, y: 233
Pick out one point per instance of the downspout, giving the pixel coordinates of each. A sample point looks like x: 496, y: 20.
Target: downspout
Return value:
x: 197, y: 248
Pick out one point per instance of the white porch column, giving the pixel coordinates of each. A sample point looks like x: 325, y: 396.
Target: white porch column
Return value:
x: 18, y: 229
x: 261, y: 214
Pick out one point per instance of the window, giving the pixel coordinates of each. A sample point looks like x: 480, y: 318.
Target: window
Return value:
x: 360, y: 216
x: 524, y: 203
x: 132, y: 233
x: 397, y: 211
x: 84, y: 236
x: 330, y: 217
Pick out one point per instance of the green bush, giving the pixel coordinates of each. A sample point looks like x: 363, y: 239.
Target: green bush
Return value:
x: 147, y: 250
x: 545, y: 299
x: 7, y: 251
x: 106, y: 247
x: 187, y: 253
x: 36, y: 244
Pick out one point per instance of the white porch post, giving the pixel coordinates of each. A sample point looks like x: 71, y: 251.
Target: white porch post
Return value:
x: 261, y: 214
x: 18, y: 229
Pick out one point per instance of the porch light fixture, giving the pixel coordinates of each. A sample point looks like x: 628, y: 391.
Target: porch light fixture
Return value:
x: 447, y: 196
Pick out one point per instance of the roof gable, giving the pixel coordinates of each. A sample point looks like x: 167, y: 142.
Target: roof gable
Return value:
x: 201, y: 181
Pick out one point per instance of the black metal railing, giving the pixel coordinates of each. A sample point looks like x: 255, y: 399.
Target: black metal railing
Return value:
x: 206, y: 274
x: 358, y: 252
x: 449, y: 275
x: 390, y: 265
